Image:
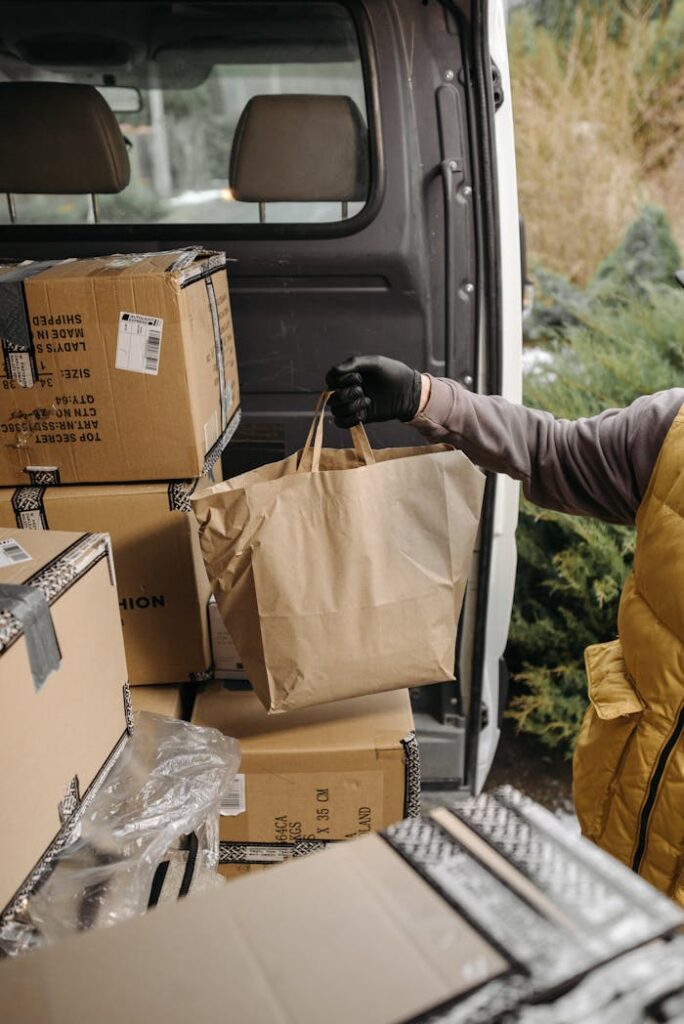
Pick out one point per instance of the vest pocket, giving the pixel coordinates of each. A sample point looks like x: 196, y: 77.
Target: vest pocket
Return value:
x: 605, y: 735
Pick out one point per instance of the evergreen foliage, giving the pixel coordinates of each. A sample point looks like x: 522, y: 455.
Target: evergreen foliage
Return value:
x: 623, y: 338
x: 647, y: 255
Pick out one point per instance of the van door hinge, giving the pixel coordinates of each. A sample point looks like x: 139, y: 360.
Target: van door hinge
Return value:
x: 497, y: 87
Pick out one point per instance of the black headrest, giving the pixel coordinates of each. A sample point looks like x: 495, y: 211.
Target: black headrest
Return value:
x: 59, y: 138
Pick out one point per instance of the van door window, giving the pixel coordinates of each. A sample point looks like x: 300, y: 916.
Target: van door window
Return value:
x: 190, y: 85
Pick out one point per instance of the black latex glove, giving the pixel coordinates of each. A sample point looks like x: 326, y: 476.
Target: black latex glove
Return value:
x: 372, y: 389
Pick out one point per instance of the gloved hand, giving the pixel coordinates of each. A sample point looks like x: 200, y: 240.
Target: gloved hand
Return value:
x: 372, y: 389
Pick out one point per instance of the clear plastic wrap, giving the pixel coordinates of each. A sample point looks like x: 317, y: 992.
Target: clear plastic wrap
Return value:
x: 149, y: 833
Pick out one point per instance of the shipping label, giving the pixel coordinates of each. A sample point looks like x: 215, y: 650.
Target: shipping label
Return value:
x: 12, y: 553
x: 138, y: 343
x: 233, y: 798
x: 31, y: 519
x: 21, y: 368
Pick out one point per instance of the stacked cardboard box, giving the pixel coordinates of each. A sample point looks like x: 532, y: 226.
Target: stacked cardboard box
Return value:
x: 163, y: 587
x: 311, y: 777
x: 118, y: 370
x: 64, y: 706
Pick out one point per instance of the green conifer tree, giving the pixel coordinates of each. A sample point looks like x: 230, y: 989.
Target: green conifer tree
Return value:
x: 623, y: 339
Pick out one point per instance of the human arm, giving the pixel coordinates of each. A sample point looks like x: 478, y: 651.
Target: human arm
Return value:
x: 598, y: 466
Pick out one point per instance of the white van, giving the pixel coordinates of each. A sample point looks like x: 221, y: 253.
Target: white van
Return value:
x: 408, y: 246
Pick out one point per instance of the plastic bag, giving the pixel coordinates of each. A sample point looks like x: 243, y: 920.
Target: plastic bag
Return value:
x: 149, y: 833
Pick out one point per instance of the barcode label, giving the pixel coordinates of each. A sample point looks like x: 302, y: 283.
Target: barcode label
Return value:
x: 21, y: 369
x: 233, y: 800
x: 138, y: 343
x: 31, y: 519
x: 152, y: 350
x: 11, y: 553
x: 266, y: 854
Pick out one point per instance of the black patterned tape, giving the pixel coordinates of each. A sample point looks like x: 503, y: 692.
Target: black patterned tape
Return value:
x: 68, y: 832
x: 128, y: 708
x: 71, y: 801
x: 44, y: 476
x: 179, y: 492
x: 214, y: 453
x: 205, y: 676
x: 411, y: 776
x: 28, y: 508
x: 56, y: 577
x: 266, y: 852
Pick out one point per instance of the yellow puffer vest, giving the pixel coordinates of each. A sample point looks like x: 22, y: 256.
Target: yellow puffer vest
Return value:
x: 629, y: 761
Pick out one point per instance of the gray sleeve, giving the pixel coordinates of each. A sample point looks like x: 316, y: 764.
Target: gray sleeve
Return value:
x: 599, y: 466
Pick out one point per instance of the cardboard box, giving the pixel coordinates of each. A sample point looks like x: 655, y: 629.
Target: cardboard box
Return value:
x: 352, y: 935
x: 56, y: 737
x: 163, y: 586
x: 159, y: 700
x: 430, y: 921
x: 227, y: 664
x: 313, y: 776
x: 116, y: 368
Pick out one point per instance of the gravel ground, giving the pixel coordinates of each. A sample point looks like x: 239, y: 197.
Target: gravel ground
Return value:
x: 541, y: 773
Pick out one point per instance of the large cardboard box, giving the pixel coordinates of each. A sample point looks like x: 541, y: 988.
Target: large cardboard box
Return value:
x: 313, y: 776
x: 163, y: 586
x: 352, y: 935
x: 55, y: 737
x: 117, y: 368
x: 430, y: 921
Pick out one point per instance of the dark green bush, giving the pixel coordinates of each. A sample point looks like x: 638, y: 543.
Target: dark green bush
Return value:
x: 624, y: 338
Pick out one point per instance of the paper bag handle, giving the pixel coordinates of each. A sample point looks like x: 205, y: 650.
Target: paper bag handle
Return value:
x: 310, y: 458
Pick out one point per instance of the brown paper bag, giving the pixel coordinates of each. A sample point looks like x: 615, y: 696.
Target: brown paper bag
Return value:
x: 342, y: 572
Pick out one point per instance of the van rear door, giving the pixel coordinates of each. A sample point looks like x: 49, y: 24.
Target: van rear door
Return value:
x: 400, y: 245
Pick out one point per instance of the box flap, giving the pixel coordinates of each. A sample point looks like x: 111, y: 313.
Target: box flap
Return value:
x: 43, y: 548
x: 350, y: 935
x: 174, y: 262
x: 51, y: 561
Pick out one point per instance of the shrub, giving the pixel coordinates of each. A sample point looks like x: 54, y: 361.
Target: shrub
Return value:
x: 617, y: 343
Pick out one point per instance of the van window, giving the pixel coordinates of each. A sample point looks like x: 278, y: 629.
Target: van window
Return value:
x: 194, y: 80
